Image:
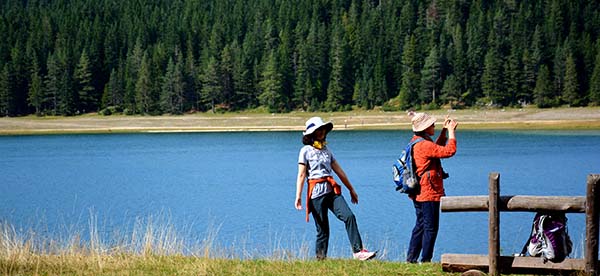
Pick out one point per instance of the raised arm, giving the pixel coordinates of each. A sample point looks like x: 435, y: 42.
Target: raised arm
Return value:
x: 442, y: 138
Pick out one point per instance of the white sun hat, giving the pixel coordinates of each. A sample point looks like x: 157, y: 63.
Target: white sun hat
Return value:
x: 420, y: 121
x: 315, y: 123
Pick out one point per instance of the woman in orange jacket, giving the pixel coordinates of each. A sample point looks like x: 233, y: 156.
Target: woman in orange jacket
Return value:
x: 427, y: 155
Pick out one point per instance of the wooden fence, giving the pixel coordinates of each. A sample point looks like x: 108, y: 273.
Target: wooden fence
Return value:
x: 494, y: 204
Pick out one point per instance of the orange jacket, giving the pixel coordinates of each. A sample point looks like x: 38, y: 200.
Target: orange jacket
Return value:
x: 337, y: 189
x: 426, y: 155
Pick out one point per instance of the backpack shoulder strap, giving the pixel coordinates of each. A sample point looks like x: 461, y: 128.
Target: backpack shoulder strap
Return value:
x: 534, y: 230
x: 524, y: 250
x: 415, y: 141
x: 410, y: 145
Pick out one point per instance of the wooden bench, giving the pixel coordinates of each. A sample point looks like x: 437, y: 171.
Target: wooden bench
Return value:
x: 494, y: 204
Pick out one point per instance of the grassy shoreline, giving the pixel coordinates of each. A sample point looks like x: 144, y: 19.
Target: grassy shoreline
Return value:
x: 587, y: 118
x: 182, y: 265
x: 156, y: 247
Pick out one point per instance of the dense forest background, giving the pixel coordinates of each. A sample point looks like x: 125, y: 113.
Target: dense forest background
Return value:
x: 67, y: 57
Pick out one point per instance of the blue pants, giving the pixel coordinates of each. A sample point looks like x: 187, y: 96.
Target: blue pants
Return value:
x: 336, y: 203
x: 425, y: 231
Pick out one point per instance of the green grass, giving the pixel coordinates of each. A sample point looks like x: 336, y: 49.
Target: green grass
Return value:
x: 182, y: 265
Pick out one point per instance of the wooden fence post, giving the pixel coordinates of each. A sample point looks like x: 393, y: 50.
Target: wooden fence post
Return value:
x: 591, y: 221
x: 494, y: 224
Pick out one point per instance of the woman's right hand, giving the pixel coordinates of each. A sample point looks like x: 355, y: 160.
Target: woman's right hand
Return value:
x: 298, y: 203
x: 450, y: 124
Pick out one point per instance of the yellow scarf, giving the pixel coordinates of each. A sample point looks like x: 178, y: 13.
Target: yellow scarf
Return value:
x: 319, y: 144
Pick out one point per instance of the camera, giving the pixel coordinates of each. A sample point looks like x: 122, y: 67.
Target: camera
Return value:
x: 445, y: 175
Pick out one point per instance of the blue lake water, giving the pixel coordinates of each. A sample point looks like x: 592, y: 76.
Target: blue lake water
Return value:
x: 239, y: 187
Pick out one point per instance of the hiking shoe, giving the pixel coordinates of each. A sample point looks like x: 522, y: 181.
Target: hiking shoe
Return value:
x: 364, y: 255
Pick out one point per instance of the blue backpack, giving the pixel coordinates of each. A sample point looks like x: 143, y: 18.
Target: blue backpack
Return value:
x: 404, y: 171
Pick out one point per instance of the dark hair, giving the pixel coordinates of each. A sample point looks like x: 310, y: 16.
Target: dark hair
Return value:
x: 308, y: 139
x: 421, y: 133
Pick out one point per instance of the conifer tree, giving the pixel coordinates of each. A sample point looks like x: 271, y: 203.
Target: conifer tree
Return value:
x: 243, y: 79
x: 459, y: 59
x: 286, y: 68
x: 544, y: 92
x: 179, y: 85
x: 51, y: 84
x: 555, y: 22
x: 111, y: 48
x: 302, y: 84
x: 361, y: 89
x: 113, y: 91
x: 36, y: 94
x: 18, y: 70
x: 451, y: 91
x: 191, y: 78
x: 211, y: 84
x: 132, y: 69
x: 409, y: 89
x: 158, y: 65
x: 514, y: 76
x: 570, y: 93
x: 588, y: 56
x: 4, y: 91
x: 271, y: 85
x: 66, y: 96
x: 168, y: 92
x: 227, y: 83
x: 246, y: 86
x: 492, y: 79
x: 338, y: 90
x: 538, y: 52
x: 431, y: 79
x: 377, y: 88
x: 528, y: 78
x: 476, y: 48
x: 143, y: 86
x: 85, y: 90
x: 559, y: 68
x: 594, y: 93
x: 321, y: 72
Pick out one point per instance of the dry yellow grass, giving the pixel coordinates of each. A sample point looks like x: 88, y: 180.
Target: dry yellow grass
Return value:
x: 156, y: 249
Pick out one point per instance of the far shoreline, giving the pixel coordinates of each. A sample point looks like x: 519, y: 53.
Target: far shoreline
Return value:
x: 587, y: 118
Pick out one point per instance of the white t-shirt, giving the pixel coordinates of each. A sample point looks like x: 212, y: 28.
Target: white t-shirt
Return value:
x: 318, y: 165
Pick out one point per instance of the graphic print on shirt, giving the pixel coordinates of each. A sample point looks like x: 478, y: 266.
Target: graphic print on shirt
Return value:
x: 319, y: 161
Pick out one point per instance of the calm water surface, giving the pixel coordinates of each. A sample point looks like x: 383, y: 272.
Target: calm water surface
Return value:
x: 241, y: 186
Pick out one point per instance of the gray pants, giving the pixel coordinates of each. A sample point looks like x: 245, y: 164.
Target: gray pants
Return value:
x: 339, y: 207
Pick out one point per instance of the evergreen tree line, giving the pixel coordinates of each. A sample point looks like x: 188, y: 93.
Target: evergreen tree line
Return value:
x: 67, y: 57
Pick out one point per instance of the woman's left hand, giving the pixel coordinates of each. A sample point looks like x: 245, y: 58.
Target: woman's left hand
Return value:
x: 353, y: 197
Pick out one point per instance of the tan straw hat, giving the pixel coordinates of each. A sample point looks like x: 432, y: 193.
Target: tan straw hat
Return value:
x: 420, y: 121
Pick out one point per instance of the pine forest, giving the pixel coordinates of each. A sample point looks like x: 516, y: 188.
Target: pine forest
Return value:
x: 70, y: 57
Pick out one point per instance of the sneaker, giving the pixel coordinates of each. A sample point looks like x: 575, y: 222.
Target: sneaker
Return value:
x: 364, y: 255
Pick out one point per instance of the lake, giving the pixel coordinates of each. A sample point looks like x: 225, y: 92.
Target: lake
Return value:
x: 238, y: 188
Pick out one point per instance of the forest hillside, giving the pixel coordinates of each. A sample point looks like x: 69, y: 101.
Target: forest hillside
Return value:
x: 68, y: 57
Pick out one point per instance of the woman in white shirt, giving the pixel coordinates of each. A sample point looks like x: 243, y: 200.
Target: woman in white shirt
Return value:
x: 316, y: 163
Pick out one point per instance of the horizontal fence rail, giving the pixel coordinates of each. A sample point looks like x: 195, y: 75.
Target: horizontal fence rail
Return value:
x: 522, y: 203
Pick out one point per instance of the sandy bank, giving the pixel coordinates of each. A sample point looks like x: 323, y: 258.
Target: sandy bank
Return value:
x: 529, y: 118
